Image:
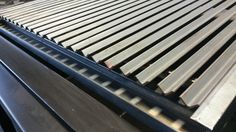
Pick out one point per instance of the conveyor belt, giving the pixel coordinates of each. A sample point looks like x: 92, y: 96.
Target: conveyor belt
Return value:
x: 178, y: 48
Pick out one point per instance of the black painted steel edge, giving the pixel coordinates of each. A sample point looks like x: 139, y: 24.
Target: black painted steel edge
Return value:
x: 150, y: 97
x: 37, y: 97
x: 15, y: 124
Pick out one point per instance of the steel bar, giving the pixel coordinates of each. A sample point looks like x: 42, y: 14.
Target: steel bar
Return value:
x: 25, y: 5
x: 117, y: 59
x: 218, y: 101
x: 137, y: 36
x: 154, y: 51
x: 44, y: 14
x: 143, y: 20
x: 180, y: 75
x: 60, y: 38
x: 117, y: 20
x: 96, y: 15
x: 167, y: 60
x: 32, y: 9
x: 74, y: 17
x: 58, y: 16
x: 119, y: 36
x: 208, y: 80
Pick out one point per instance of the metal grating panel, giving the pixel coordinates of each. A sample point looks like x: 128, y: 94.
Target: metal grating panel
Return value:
x: 110, y: 86
x: 171, y: 46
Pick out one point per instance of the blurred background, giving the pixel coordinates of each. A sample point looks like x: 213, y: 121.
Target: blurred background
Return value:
x: 4, y: 3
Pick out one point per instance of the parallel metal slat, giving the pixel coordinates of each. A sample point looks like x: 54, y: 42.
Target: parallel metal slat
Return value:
x: 12, y: 9
x: 144, y: 18
x: 31, y: 10
x: 71, y: 18
x: 217, y: 101
x: 172, y: 82
x: 116, y: 21
x: 54, y: 10
x: 199, y: 90
x: 58, y: 16
x: 79, y: 23
x: 136, y: 36
x: 38, y: 9
x: 167, y: 60
x: 151, y: 53
x: 73, y: 30
x: 117, y: 59
x: 66, y: 36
